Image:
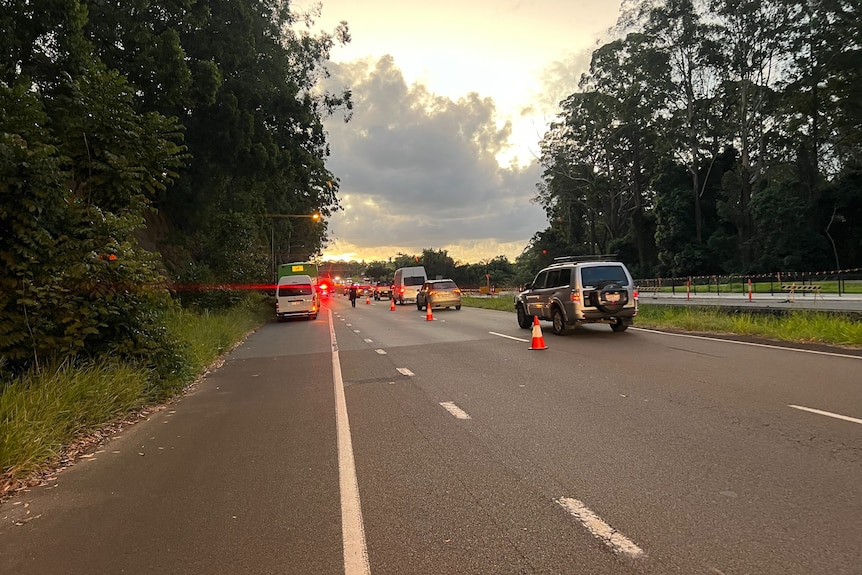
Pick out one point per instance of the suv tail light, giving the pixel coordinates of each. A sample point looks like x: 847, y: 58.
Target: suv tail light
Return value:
x: 576, y: 296
x: 635, y: 294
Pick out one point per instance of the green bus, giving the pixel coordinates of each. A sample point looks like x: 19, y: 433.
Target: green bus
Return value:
x: 298, y: 269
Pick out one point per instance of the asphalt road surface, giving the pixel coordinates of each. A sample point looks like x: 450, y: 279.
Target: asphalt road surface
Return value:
x: 376, y: 442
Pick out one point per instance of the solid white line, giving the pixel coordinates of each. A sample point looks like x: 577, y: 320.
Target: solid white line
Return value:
x: 618, y: 542
x: 815, y: 352
x: 509, y: 336
x: 352, y: 528
x: 455, y: 410
x: 827, y: 413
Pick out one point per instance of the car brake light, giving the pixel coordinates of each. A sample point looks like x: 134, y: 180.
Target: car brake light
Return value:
x: 635, y: 294
x: 576, y: 296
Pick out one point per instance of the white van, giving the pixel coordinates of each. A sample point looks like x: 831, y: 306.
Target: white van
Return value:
x: 296, y: 296
x: 407, y: 282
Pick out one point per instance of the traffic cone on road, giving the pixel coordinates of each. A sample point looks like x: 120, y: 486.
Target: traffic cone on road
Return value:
x: 368, y: 300
x: 538, y: 339
x: 392, y: 304
x: 428, y: 315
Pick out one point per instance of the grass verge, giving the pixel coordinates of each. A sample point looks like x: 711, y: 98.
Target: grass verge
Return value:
x: 797, y: 326
x: 44, y: 411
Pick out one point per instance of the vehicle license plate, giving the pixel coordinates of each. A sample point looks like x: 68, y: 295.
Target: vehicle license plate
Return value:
x: 295, y: 302
x: 613, y: 297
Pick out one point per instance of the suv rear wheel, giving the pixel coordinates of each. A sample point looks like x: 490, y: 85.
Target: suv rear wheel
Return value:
x: 524, y: 321
x: 619, y: 326
x: 559, y: 322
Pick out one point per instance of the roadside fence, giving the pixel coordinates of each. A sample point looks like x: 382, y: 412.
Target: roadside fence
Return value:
x: 794, y: 283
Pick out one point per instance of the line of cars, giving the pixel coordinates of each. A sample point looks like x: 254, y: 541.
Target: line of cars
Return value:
x: 570, y: 292
x: 411, y: 285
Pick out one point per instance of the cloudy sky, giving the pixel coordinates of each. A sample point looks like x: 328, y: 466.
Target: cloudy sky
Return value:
x: 451, y: 98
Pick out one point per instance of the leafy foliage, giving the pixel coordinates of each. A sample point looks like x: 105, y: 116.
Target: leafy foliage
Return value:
x: 746, y: 107
x: 75, y: 282
x: 203, y: 109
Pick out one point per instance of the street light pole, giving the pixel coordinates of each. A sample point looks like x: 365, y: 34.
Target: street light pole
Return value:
x: 315, y: 216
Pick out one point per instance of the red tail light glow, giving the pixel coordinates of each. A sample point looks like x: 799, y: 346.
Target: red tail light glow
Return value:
x: 576, y: 296
x: 635, y: 294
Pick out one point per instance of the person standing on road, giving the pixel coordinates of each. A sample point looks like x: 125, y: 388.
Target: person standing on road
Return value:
x: 353, y: 295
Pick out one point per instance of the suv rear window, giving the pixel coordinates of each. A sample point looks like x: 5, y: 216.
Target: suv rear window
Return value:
x: 595, y: 275
x: 444, y: 285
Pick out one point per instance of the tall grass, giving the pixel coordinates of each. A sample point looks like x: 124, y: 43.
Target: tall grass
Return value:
x: 44, y: 410
x: 207, y: 334
x: 796, y: 326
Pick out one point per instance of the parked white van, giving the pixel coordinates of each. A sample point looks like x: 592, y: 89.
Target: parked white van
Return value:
x: 296, y: 296
x: 407, y: 282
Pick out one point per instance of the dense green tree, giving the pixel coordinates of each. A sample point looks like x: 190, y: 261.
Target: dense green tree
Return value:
x: 75, y: 282
x: 677, y: 29
x: 757, y: 100
x: 96, y: 97
x: 241, y: 77
x: 437, y: 263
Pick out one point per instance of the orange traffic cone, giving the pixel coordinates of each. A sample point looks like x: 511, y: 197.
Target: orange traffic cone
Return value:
x: 392, y: 304
x: 368, y: 300
x: 538, y: 339
x: 428, y: 315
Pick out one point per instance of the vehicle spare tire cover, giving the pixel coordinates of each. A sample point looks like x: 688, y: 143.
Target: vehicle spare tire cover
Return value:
x: 612, y: 298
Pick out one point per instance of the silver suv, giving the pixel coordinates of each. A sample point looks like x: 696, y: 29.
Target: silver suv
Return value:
x: 572, y: 292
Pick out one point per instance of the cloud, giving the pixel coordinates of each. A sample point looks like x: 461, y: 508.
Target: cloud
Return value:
x: 420, y: 171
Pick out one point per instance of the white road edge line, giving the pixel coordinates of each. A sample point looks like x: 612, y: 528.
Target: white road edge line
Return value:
x: 509, y: 336
x: 454, y: 410
x: 749, y: 343
x: 827, y: 413
x: 352, y: 527
x: 618, y: 542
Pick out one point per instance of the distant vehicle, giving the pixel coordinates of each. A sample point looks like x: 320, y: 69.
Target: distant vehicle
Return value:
x: 296, y: 296
x: 382, y: 291
x: 325, y: 288
x: 573, y: 292
x: 438, y: 293
x: 406, y: 283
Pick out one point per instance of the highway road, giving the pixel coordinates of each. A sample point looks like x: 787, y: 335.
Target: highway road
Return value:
x: 375, y: 442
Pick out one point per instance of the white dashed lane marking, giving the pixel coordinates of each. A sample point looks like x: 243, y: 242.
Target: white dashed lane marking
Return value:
x: 827, y: 413
x: 454, y: 410
x: 618, y: 542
